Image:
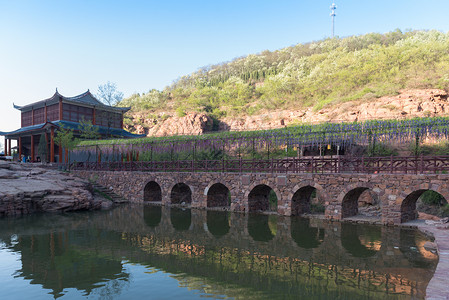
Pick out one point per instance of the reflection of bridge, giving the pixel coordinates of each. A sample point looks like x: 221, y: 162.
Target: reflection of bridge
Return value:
x: 340, y: 192
x: 273, y: 249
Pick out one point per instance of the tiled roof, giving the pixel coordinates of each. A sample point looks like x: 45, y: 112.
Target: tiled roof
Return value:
x: 85, y: 98
x: 114, y: 132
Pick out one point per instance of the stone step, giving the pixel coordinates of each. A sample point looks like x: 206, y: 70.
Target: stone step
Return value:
x: 115, y: 198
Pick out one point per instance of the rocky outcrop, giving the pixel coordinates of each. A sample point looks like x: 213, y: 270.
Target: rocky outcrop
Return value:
x: 192, y: 123
x: 25, y: 189
x: 407, y: 104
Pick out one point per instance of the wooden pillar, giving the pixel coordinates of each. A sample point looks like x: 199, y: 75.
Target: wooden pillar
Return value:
x: 6, y: 146
x: 20, y: 148
x: 32, y: 148
x: 66, y: 155
x: 9, y: 147
x: 94, y: 117
x: 52, y: 144
x: 60, y: 108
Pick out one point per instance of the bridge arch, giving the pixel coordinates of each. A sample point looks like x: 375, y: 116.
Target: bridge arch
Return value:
x: 181, y: 193
x: 408, y: 204
x: 301, y: 198
x: 258, y: 197
x: 152, y: 192
x: 218, y: 195
x: 350, y: 196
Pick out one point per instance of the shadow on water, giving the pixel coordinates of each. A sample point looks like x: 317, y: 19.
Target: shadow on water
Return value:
x: 218, y: 223
x: 304, y: 235
x: 180, y: 218
x: 152, y: 215
x: 262, y: 228
x: 352, y: 236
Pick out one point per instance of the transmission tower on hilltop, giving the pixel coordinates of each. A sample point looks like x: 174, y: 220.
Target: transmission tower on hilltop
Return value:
x: 333, y: 14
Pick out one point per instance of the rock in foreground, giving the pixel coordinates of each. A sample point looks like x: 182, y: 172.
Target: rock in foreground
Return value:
x: 26, y: 188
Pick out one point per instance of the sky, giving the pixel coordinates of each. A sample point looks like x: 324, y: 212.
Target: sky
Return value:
x: 140, y: 45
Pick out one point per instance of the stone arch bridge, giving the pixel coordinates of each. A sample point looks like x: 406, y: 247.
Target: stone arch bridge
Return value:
x: 397, y: 194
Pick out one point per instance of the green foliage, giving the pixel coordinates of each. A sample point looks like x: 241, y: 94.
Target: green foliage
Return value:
x: 432, y: 198
x: 273, y: 200
x: 88, y: 131
x: 316, y: 74
x: 64, y: 138
x: 381, y: 149
x: 42, y: 148
x: 441, y: 148
x: 180, y: 112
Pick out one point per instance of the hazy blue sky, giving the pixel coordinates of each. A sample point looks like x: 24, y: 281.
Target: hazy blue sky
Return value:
x: 77, y: 45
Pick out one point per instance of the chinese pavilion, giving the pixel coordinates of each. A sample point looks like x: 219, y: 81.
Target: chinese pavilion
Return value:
x: 47, y: 116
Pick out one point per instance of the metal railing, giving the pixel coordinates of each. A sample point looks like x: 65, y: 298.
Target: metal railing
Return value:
x: 339, y: 164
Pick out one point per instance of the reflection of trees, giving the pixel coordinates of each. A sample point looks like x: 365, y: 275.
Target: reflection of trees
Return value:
x: 350, y: 240
x: 56, y: 262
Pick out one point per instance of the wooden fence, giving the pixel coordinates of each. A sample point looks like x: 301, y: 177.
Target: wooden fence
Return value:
x: 339, y: 164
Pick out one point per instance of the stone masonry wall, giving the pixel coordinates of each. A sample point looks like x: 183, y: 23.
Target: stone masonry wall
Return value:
x: 390, y: 189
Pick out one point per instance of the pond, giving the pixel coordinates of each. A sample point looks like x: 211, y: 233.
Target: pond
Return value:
x: 153, y: 252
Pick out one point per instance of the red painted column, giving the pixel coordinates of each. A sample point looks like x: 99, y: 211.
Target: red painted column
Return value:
x: 20, y: 148
x: 9, y: 147
x: 6, y: 146
x: 32, y: 148
x: 52, y: 144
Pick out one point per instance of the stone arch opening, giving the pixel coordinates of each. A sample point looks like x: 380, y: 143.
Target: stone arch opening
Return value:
x: 152, y: 215
x: 305, y: 201
x: 152, y: 192
x: 181, y: 194
x: 361, y: 241
x: 361, y: 201
x: 218, y: 195
x: 305, y: 235
x: 426, y: 198
x: 218, y: 223
x: 262, y: 198
x: 262, y: 228
x: 180, y: 218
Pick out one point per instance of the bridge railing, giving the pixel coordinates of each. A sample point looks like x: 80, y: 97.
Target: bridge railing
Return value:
x: 339, y: 164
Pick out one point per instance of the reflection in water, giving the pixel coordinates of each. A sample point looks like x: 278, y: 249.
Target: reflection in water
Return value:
x: 218, y: 223
x: 259, y: 227
x: 412, y: 246
x: 180, y: 218
x: 352, y: 234
x: 152, y: 215
x: 104, y: 254
x: 304, y: 235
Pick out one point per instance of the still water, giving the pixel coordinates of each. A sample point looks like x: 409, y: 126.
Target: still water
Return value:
x: 148, y: 252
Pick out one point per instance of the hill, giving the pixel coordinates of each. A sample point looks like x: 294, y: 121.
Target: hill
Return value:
x: 352, y: 78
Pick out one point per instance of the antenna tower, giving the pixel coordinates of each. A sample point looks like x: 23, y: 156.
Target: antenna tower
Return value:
x: 333, y: 14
